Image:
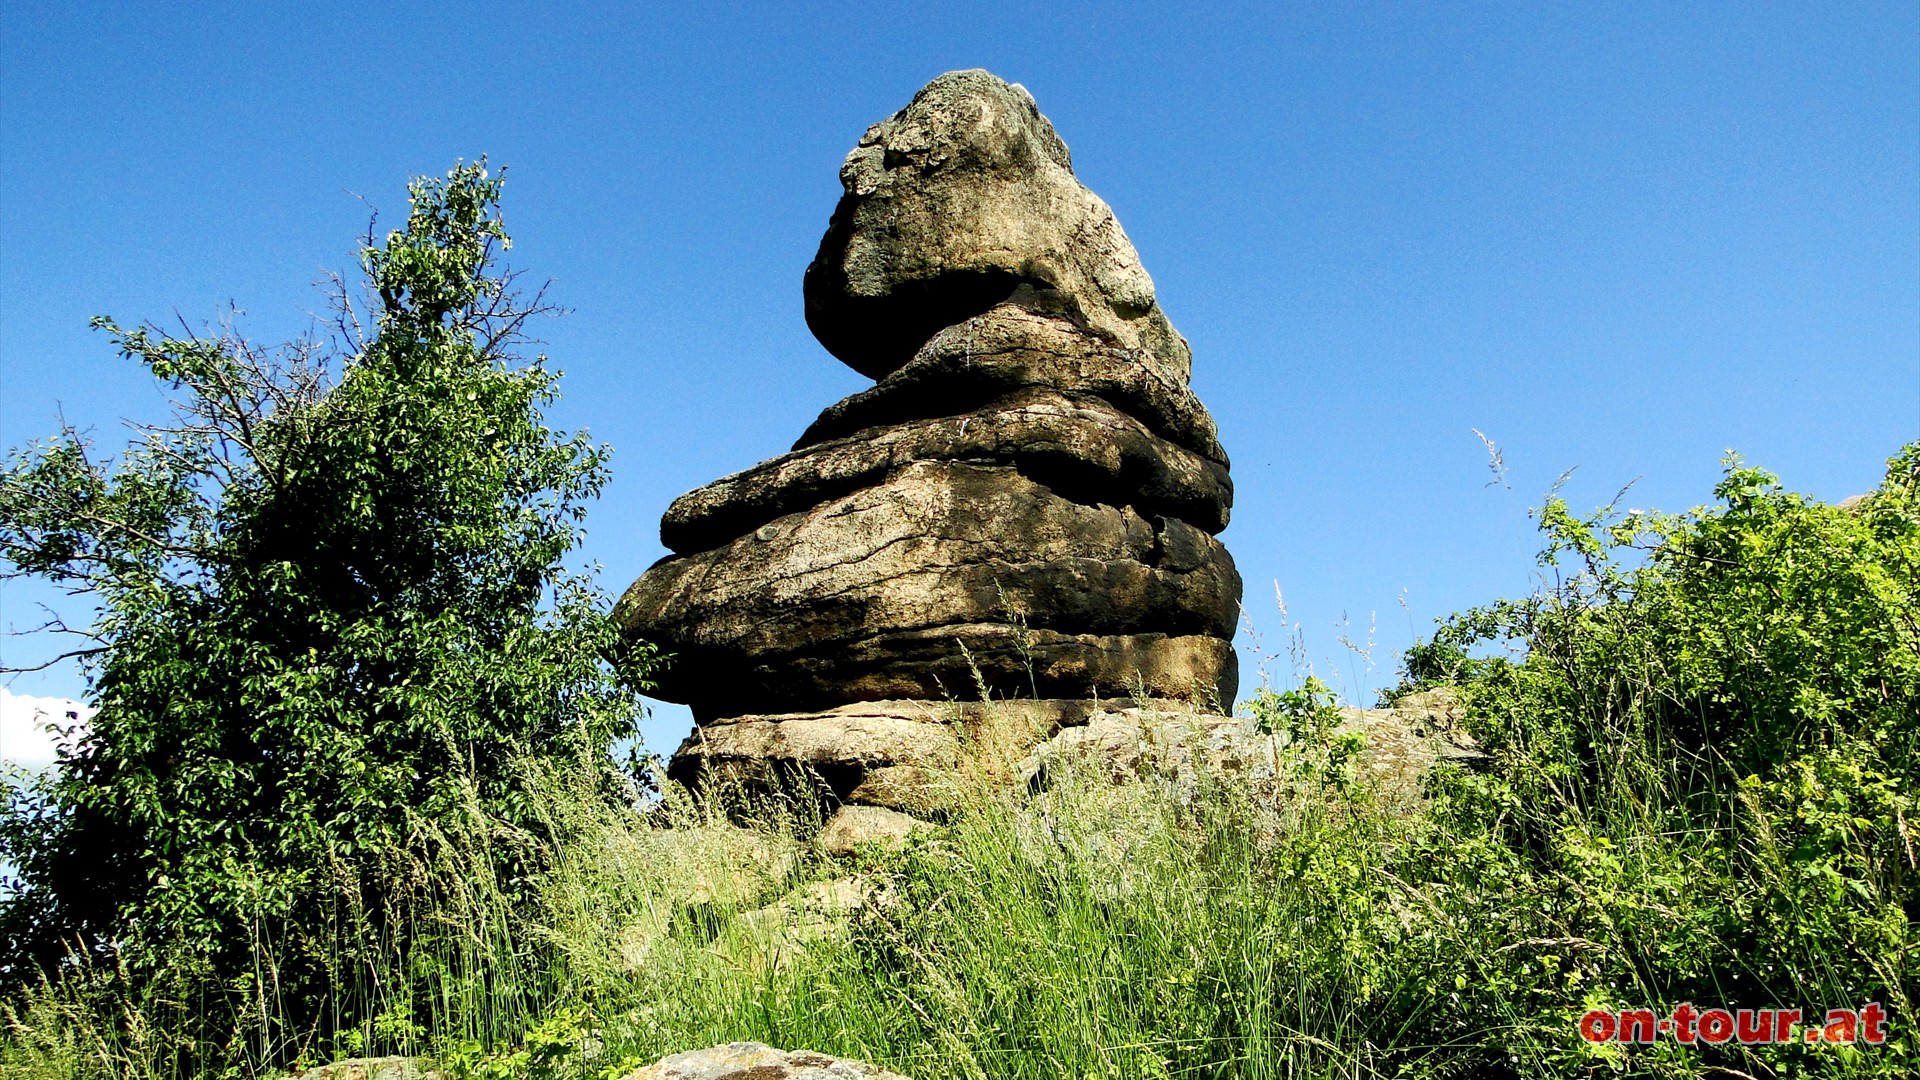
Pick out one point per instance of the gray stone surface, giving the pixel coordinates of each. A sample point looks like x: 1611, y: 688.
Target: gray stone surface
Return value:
x: 875, y: 594
x: 854, y: 827
x: 965, y: 199
x: 384, y: 1068
x: 1402, y: 744
x: 904, y: 755
x: 838, y: 747
x: 1007, y: 349
x: 1081, y: 447
x: 914, y: 789
x: 757, y: 1061
x: 817, y: 910
x: 898, y: 754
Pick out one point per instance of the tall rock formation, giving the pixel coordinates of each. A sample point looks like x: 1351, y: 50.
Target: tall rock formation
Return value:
x: 1026, y: 499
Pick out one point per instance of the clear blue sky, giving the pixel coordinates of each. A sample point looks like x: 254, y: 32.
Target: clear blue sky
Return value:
x: 1613, y: 236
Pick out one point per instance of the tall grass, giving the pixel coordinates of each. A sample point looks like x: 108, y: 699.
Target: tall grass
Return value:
x: 1146, y: 930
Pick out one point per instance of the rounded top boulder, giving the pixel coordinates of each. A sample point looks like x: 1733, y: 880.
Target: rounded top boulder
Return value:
x: 961, y: 202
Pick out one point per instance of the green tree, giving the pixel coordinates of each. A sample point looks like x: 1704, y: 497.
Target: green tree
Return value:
x: 334, y: 624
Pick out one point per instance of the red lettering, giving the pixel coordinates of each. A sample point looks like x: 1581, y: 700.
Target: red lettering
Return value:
x: 1637, y: 1025
x: 1783, y: 1023
x: 1597, y: 1026
x: 1874, y: 1020
x: 1683, y: 1018
x: 1750, y: 1026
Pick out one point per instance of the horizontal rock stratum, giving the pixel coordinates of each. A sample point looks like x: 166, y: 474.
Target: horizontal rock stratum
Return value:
x: 1025, y: 503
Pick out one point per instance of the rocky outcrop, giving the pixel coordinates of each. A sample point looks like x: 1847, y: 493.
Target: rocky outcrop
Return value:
x: 895, y: 754
x: 903, y: 755
x: 757, y: 1061
x: 1025, y: 504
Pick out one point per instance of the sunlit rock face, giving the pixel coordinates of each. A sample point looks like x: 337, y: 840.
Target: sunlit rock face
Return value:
x: 757, y: 1061
x: 1025, y: 502
x: 957, y: 203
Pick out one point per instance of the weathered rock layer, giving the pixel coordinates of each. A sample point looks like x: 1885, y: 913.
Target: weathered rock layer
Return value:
x: 1024, y: 503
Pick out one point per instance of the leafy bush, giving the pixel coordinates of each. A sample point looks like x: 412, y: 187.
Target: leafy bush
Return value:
x: 333, y: 626
x: 1704, y: 781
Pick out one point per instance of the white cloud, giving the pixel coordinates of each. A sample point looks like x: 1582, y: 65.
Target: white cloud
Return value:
x: 26, y: 737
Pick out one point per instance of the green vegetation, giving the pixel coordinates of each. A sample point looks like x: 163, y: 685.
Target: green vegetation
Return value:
x: 375, y: 812
x: 333, y: 628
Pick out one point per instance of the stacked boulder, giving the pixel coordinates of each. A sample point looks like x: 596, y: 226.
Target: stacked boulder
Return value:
x: 1023, y: 506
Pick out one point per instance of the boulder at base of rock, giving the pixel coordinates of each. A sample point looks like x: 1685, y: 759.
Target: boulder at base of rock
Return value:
x: 901, y: 755
x: 384, y: 1068
x: 1401, y: 745
x: 757, y: 1061
x: 852, y: 828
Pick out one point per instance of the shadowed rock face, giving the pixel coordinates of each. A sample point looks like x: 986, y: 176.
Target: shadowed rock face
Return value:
x: 1026, y: 500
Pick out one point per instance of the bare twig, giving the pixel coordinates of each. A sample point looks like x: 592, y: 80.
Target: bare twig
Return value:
x: 63, y: 657
x: 1496, y: 460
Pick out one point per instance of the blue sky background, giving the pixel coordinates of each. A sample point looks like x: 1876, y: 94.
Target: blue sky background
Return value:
x: 1623, y: 237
